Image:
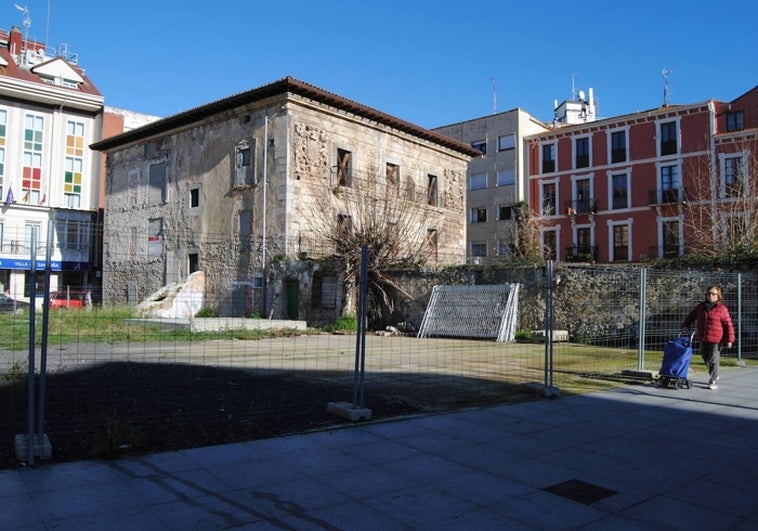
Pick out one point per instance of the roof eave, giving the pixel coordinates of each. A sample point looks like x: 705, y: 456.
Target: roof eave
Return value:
x: 288, y: 84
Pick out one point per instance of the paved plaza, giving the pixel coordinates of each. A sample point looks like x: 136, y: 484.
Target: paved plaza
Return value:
x: 636, y: 457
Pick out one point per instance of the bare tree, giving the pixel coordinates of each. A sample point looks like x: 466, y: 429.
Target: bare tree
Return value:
x: 721, y: 204
x: 391, y: 218
x: 526, y: 233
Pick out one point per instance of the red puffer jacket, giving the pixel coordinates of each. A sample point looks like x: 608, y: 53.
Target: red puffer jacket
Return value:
x: 714, y: 325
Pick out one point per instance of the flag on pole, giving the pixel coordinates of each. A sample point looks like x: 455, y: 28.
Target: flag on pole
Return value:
x: 25, y: 199
x: 9, y: 198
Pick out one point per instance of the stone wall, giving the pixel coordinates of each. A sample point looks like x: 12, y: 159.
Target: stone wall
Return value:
x: 597, y: 303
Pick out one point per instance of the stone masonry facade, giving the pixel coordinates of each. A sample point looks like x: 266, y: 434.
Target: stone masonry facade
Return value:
x: 244, y: 189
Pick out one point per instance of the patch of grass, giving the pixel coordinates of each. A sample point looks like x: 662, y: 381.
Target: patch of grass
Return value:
x: 523, y: 336
x: 111, y: 325
x: 206, y: 312
x: 16, y: 374
x: 345, y: 322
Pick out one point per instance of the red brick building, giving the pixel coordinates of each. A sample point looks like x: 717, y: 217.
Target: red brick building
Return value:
x: 623, y: 188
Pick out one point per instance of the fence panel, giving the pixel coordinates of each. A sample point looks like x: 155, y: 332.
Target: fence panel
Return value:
x: 117, y: 381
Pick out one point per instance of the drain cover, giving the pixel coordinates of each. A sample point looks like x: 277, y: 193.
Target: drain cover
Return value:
x: 580, y: 491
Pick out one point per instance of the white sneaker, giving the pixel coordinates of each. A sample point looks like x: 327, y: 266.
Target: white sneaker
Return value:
x: 712, y: 384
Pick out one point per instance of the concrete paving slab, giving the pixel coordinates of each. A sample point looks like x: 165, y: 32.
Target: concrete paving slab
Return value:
x: 650, y: 452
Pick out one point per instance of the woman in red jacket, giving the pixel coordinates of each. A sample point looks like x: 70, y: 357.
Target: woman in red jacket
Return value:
x: 714, y: 328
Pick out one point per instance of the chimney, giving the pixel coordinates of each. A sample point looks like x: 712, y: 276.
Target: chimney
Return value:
x: 16, y: 42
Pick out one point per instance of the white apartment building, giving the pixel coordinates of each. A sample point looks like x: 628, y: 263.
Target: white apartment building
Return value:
x: 50, y: 112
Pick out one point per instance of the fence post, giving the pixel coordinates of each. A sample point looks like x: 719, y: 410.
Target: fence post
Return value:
x: 643, y: 318
x: 360, y: 340
x: 549, y: 325
x: 739, y: 320
x: 43, y: 345
x: 356, y: 411
x: 30, y: 438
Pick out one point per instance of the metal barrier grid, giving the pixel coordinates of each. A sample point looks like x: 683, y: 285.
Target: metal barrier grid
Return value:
x: 427, y: 374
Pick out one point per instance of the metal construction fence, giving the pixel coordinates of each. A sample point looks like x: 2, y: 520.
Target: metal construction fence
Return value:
x: 104, y: 378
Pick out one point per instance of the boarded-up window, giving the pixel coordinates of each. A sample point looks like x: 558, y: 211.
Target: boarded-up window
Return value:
x: 244, y: 164
x: 155, y: 237
x: 329, y: 292
x: 324, y: 292
x: 154, y: 148
x: 156, y: 191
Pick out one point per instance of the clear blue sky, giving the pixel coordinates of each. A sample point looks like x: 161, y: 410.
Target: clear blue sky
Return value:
x: 429, y: 62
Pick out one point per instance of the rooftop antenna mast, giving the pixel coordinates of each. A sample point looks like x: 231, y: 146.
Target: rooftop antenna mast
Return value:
x: 494, y: 97
x: 47, y: 27
x: 27, y: 24
x: 573, y: 88
x: 666, y: 92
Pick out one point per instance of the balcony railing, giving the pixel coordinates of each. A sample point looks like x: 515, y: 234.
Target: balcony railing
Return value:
x: 666, y: 196
x: 20, y: 248
x: 587, y: 253
x: 581, y: 206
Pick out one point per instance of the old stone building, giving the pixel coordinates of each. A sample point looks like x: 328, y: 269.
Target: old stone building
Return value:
x: 251, y: 189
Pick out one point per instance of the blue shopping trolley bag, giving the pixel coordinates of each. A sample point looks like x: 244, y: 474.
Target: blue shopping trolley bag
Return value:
x: 676, y: 362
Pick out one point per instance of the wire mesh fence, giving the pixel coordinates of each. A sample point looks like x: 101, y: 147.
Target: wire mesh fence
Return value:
x: 117, y: 382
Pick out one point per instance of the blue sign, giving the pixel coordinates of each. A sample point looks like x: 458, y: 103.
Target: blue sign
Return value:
x: 16, y: 263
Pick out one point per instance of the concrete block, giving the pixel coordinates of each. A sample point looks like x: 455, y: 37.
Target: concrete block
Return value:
x: 558, y: 335
x: 42, y: 449
x: 348, y: 411
x: 644, y: 375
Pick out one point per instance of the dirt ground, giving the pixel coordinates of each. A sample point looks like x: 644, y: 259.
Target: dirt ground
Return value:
x: 121, y: 408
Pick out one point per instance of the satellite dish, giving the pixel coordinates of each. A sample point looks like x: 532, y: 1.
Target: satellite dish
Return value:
x: 581, y: 95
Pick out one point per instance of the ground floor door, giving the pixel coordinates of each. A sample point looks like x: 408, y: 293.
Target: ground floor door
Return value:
x: 293, y: 299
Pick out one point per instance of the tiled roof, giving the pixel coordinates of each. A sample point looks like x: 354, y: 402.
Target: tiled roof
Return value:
x: 285, y: 85
x: 12, y: 70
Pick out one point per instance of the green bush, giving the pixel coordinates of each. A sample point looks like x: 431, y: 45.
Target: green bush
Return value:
x: 345, y: 322
x: 523, y: 336
x: 206, y: 312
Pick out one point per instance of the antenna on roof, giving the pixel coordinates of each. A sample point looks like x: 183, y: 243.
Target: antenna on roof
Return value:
x: 27, y: 24
x: 494, y: 97
x: 573, y: 89
x: 47, y: 26
x: 666, y: 93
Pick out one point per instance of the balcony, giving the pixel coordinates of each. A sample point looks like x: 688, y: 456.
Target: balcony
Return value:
x: 667, y: 196
x: 22, y: 249
x: 581, y: 206
x: 582, y: 253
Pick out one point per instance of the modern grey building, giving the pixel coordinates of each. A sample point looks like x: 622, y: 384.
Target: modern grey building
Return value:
x: 496, y: 180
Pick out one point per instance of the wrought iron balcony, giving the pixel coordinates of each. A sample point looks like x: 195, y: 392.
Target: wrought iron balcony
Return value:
x: 582, y: 254
x: 666, y: 196
x: 581, y: 206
